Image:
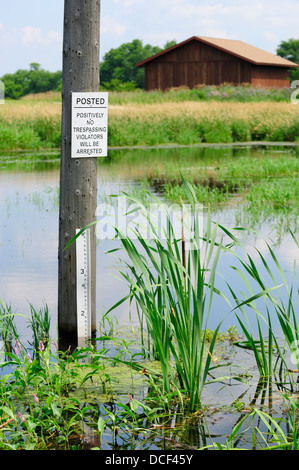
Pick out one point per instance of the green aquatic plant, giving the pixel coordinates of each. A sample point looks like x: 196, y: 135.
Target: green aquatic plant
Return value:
x: 266, y: 434
x: 174, y: 303
x: 279, y: 304
x: 39, y: 323
x: 260, y: 187
x: 173, y: 289
x: 36, y: 409
x: 265, y: 431
x: 8, y: 331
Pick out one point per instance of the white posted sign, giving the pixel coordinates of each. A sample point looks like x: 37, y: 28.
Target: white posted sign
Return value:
x: 89, y: 124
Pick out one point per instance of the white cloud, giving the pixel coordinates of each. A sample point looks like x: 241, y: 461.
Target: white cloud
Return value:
x: 23, y: 45
x: 271, y: 37
x: 34, y: 36
x: 8, y: 35
x: 28, y: 36
x: 233, y: 13
x: 218, y: 11
x: 111, y: 26
x: 126, y: 3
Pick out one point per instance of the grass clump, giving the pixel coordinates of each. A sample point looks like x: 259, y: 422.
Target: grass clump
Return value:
x: 173, y: 289
x: 205, y: 122
x: 175, y: 117
x: 261, y: 188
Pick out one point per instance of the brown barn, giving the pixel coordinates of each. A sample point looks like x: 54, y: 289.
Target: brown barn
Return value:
x: 210, y: 61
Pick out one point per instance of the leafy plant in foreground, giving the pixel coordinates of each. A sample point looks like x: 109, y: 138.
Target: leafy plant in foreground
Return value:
x: 36, y: 411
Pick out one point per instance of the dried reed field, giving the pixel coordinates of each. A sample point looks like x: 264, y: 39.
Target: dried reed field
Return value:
x: 25, y: 110
x: 193, y: 122
x: 48, y: 105
x: 206, y: 109
x: 181, y: 122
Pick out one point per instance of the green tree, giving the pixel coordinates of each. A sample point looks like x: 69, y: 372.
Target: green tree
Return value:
x: 119, y: 64
x: 290, y: 50
x: 34, y: 80
x: 169, y: 44
x: 12, y: 89
x: 41, y: 80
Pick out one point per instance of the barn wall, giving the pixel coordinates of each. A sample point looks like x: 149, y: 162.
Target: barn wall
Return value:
x: 269, y: 77
x: 196, y: 63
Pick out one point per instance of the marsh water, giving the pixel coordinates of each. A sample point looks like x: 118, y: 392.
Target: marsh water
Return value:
x: 29, y: 194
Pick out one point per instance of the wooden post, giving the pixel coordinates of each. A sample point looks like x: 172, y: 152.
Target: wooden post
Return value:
x: 78, y: 177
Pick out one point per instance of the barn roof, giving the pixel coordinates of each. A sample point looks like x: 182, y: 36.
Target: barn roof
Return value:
x: 237, y: 48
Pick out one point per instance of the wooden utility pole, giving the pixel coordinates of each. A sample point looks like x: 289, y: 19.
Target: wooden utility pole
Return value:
x: 78, y: 177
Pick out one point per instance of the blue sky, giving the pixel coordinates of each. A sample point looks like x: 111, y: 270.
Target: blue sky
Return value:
x: 32, y: 30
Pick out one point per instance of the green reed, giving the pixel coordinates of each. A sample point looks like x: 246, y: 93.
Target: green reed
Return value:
x: 7, y: 326
x: 39, y: 323
x: 173, y: 289
x: 268, y: 435
x: 174, y: 300
x: 279, y: 304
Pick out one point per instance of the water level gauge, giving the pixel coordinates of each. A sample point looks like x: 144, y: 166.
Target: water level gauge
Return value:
x: 83, y: 287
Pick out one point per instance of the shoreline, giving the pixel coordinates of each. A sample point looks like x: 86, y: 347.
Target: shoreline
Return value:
x: 261, y: 143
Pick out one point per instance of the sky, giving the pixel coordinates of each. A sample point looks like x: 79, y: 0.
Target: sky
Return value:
x: 32, y: 30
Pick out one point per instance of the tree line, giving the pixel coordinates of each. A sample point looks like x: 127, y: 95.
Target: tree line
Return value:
x: 35, y: 80
x: 117, y: 69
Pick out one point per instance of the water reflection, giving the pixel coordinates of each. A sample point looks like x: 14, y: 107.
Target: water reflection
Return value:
x: 29, y: 226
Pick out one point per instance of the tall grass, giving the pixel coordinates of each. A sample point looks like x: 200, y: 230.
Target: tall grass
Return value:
x: 188, y: 123
x: 174, y: 290
x: 279, y: 305
x: 261, y: 188
x: 263, y: 432
x: 39, y: 324
x: 38, y: 321
x: 7, y: 326
x: 226, y: 92
x: 175, y: 302
x: 34, y: 122
x: 30, y: 124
